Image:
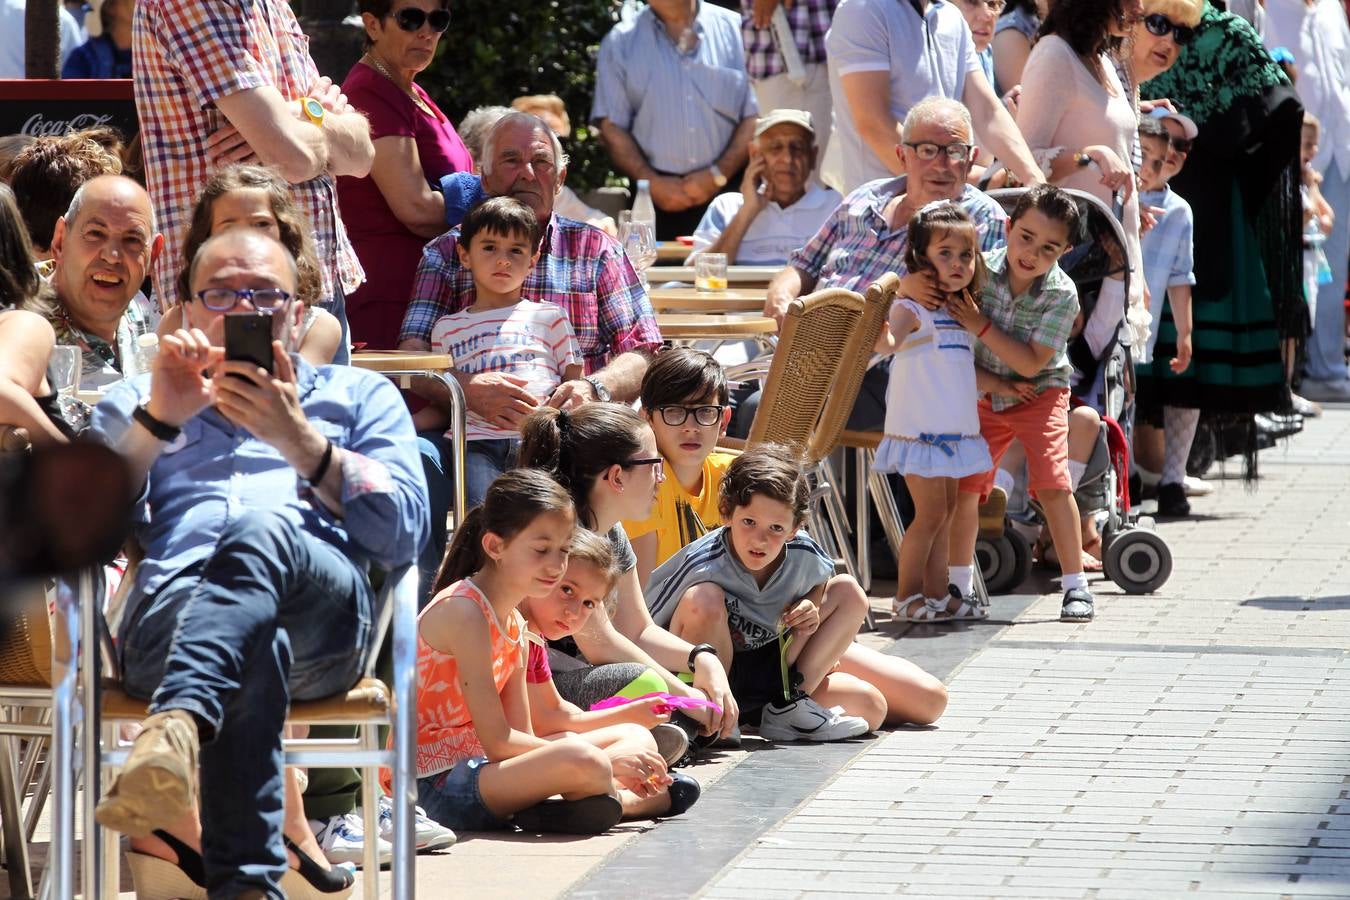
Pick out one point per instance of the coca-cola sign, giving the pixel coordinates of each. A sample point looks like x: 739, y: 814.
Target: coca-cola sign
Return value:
x: 44, y: 108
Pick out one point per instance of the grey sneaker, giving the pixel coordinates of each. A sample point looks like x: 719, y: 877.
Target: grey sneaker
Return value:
x: 671, y: 742
x: 806, y: 720
x: 1077, y: 606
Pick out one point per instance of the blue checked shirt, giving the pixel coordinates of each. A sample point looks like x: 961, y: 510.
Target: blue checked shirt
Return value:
x: 681, y: 108
x: 809, y: 21
x: 1043, y: 315
x: 856, y: 245
x: 1168, y: 255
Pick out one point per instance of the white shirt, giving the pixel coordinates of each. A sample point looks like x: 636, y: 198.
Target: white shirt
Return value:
x: 925, y: 55
x: 775, y: 232
x: 1320, y: 40
x: 11, y: 35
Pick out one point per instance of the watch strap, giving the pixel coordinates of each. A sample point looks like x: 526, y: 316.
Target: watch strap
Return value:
x: 718, y: 177
x: 160, y: 430
x: 697, y: 649
x: 601, y: 392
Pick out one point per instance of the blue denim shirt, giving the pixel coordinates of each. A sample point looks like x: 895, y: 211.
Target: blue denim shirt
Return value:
x: 214, y: 472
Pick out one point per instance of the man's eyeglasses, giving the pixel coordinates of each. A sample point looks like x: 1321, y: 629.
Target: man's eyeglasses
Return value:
x: 225, y: 299
x: 994, y: 6
x: 1159, y: 26
x: 410, y: 18
x: 703, y: 415
x: 927, y: 151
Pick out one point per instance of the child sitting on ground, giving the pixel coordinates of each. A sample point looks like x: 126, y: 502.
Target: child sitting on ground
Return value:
x: 479, y: 764
x: 684, y: 397
x: 932, y: 420
x: 593, y: 569
x: 1022, y: 325
x: 1167, y: 253
x: 530, y: 343
x: 764, y: 597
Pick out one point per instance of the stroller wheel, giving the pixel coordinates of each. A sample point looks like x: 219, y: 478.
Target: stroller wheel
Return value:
x: 1138, y: 560
x: 1004, y: 561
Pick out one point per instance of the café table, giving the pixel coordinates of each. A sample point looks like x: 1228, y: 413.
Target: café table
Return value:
x: 689, y: 300
x: 672, y: 251
x: 686, y: 328
x: 736, y: 275
x: 403, y: 366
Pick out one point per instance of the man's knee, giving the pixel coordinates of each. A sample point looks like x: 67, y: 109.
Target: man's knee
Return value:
x: 267, y: 530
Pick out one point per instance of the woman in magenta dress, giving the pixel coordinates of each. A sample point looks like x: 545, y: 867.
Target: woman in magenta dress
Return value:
x: 394, y: 211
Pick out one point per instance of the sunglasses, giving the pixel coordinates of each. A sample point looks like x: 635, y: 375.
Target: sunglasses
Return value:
x: 1181, y: 145
x: 410, y: 18
x: 1159, y: 26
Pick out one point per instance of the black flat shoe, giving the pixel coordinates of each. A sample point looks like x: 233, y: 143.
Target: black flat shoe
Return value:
x: 589, y: 815
x: 684, y: 793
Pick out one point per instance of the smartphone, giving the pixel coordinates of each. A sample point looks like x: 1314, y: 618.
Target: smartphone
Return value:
x: 248, y: 337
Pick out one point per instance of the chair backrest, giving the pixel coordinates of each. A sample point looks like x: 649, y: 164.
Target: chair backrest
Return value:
x: 849, y: 380
x: 817, y: 332
x: 26, y: 639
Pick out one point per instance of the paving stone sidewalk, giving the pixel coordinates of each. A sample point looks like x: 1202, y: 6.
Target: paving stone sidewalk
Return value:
x: 1195, y: 742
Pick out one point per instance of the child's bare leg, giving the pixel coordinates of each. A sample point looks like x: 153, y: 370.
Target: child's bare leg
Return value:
x: 857, y: 697
x: 701, y: 618
x: 965, y: 530
x: 916, y: 550
x: 621, y: 740
x: 1061, y: 512
x: 570, y: 767
x: 1148, y: 447
x: 911, y: 694
x: 842, y: 611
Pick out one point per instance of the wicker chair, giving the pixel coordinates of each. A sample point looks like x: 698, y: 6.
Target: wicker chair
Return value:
x: 85, y: 748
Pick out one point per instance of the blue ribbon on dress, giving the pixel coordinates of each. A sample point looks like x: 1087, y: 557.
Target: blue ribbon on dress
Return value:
x: 943, y: 442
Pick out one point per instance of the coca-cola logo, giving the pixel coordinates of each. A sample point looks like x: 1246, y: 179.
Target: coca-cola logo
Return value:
x: 37, y: 126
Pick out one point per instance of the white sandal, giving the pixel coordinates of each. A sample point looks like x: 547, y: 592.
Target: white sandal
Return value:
x: 969, y: 609
x: 931, y: 610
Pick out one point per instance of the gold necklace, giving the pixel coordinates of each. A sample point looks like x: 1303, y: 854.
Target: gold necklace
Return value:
x: 412, y: 95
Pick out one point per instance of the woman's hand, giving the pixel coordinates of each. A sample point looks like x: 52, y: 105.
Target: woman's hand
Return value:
x: 803, y: 617
x: 921, y: 287
x: 711, y: 679
x: 644, y: 712
x: 1116, y: 175
x: 1182, y: 360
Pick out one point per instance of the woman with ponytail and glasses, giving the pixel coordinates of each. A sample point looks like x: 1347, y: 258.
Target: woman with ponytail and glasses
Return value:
x: 393, y: 211
x: 605, y: 454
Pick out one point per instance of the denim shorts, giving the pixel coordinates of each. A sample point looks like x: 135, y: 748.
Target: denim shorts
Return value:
x: 452, y: 798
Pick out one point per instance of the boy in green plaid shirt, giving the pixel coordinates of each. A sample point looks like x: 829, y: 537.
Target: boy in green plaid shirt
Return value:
x: 1022, y: 325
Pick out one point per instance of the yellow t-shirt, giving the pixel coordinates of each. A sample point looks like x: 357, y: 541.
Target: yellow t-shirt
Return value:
x: 678, y: 516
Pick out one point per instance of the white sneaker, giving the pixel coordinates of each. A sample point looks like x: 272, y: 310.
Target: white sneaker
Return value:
x: 1197, y: 487
x: 428, y: 834
x: 343, y: 840
x: 806, y: 720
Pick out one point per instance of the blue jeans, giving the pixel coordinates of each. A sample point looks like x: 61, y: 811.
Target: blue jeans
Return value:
x: 274, y: 615
x: 483, y: 462
x: 337, y: 305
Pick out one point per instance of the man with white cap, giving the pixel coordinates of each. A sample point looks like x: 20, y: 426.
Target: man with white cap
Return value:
x: 777, y: 208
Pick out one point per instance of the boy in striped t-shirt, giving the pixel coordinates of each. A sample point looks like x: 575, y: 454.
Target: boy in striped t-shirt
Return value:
x: 530, y: 343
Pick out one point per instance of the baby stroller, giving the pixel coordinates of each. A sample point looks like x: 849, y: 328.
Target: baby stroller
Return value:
x: 1134, y: 555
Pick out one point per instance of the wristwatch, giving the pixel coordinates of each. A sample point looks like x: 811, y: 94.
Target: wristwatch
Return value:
x: 601, y: 392
x: 313, y: 110
x: 718, y: 178
x: 700, y: 648
x: 1082, y: 159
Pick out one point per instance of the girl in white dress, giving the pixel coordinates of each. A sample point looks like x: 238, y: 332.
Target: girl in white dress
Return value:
x: 932, y: 423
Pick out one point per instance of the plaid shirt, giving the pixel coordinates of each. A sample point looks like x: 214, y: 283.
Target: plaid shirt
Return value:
x: 856, y: 245
x: 191, y: 53
x: 809, y: 20
x: 580, y: 268
x: 1043, y: 315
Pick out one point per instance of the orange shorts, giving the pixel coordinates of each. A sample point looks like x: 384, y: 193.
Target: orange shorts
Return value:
x: 1042, y: 425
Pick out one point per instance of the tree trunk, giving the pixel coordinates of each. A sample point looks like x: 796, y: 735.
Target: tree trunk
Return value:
x: 42, y: 39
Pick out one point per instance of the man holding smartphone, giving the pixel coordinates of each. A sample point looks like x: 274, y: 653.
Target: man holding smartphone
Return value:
x: 265, y: 500
x: 777, y: 208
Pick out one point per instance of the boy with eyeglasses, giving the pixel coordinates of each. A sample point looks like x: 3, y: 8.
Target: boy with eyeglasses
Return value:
x: 684, y: 396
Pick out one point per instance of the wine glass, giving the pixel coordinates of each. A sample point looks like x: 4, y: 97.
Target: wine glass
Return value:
x: 639, y: 242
